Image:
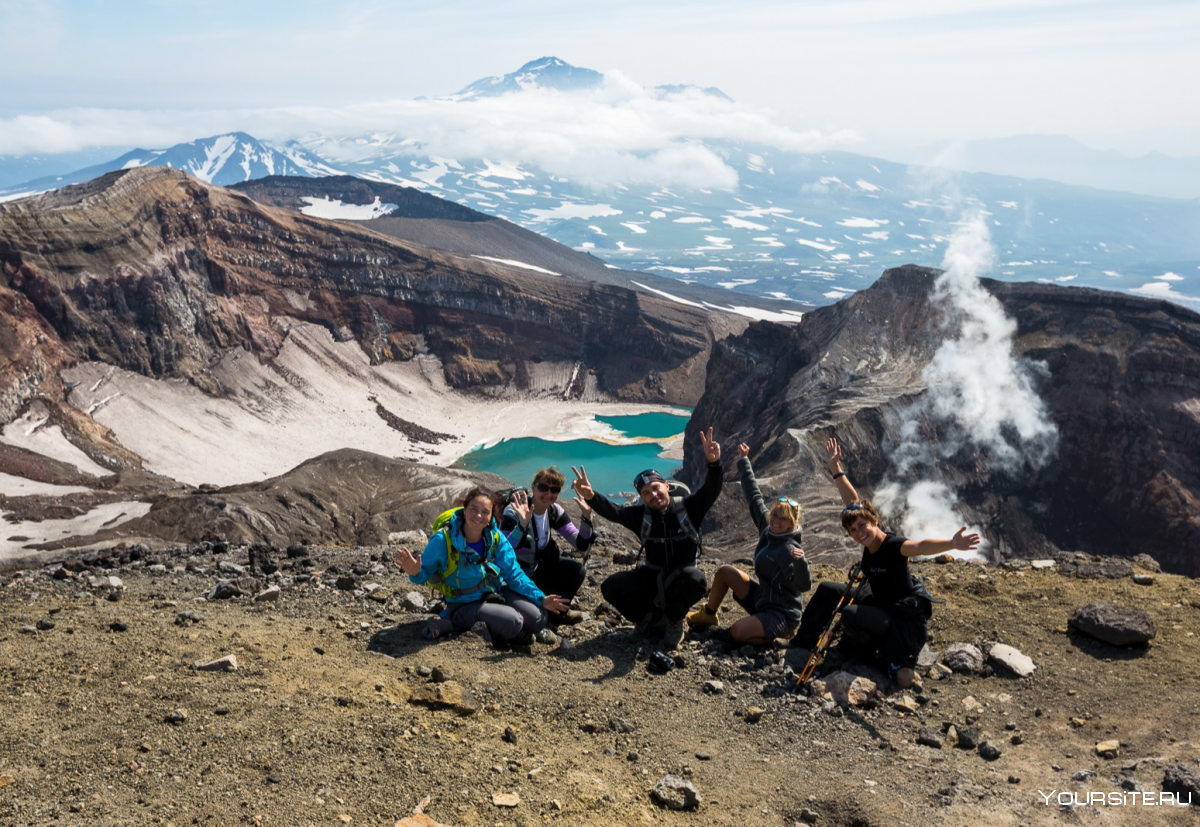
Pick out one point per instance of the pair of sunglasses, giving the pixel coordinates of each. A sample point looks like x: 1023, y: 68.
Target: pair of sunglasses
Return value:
x: 788, y: 501
x: 548, y: 489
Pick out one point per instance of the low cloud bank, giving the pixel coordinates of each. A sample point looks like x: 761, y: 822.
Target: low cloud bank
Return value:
x: 618, y: 132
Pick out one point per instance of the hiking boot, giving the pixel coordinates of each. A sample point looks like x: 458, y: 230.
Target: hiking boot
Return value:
x: 567, y: 618
x: 673, y: 636
x: 649, y: 626
x: 703, y: 617
x: 523, y: 639
x: 547, y: 637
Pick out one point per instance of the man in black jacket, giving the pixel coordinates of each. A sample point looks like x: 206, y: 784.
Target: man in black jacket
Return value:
x: 668, y: 583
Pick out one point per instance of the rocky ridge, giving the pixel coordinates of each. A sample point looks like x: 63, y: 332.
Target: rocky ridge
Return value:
x: 155, y: 272
x: 1121, y: 384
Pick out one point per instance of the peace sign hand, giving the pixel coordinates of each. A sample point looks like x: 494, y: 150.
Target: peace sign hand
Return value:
x: 581, y: 485
x: 712, y: 448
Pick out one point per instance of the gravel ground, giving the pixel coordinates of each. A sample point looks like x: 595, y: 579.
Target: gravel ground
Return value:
x: 341, y: 713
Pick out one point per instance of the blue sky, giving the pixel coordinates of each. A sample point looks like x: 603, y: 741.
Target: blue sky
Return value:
x: 871, y: 72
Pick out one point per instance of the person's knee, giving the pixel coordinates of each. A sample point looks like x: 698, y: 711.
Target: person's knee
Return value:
x: 503, y: 622
x: 727, y: 574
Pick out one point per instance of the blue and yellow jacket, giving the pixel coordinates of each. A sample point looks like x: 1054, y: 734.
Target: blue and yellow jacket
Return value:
x: 449, y: 566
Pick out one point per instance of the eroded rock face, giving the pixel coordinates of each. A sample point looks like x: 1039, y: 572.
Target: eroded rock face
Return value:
x: 158, y: 273
x: 1121, y: 384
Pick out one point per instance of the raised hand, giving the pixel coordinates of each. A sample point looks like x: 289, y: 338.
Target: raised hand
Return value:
x: 584, y: 509
x: 712, y: 448
x: 581, y: 485
x: 833, y: 454
x: 408, y: 561
x: 520, y: 504
x: 556, y: 604
x: 967, y: 542
x: 743, y: 450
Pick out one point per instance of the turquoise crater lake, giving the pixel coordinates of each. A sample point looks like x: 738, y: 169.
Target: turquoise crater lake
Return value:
x: 611, y: 461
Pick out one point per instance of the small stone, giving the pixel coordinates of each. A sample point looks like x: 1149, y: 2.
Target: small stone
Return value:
x: 809, y: 816
x: 703, y: 756
x: 177, y: 716
x: 1017, y: 739
x: 1041, y: 564
x: 930, y: 737
x: 1011, y: 659
x: 229, y: 663
x: 1083, y: 775
x: 424, y: 671
x: 754, y: 714
x: 619, y: 724
x: 1143, y: 579
x: 968, y: 738
x: 6, y: 779
x: 506, y: 799
x: 414, y: 602
x: 436, y: 675
x: 118, y: 626
x: 510, y: 735
x: 1108, y: 749
x: 675, y: 793
x: 45, y: 625
x: 270, y: 594
x: 221, y: 710
x: 449, y: 695
x: 963, y: 657
x: 989, y: 751
x: 1118, y: 625
x: 1014, y: 779
x: 28, y: 630
x: 905, y: 703
x: 714, y: 687
x: 1181, y: 780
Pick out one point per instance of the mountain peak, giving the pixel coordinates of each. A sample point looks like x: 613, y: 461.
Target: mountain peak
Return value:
x: 544, y: 73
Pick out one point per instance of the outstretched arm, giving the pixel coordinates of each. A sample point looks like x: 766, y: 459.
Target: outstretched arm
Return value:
x: 698, y: 503
x: 959, y: 542
x: 754, y: 497
x: 833, y: 461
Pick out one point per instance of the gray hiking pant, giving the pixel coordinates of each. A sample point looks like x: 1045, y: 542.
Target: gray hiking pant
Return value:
x: 505, y: 620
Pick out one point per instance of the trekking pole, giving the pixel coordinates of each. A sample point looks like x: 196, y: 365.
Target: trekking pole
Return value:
x: 818, y: 654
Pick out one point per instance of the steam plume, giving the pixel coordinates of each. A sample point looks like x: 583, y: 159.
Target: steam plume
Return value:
x: 981, y: 400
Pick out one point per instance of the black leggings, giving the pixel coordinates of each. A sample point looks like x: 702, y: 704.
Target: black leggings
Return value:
x: 861, y: 621
x: 633, y: 593
x: 891, y: 634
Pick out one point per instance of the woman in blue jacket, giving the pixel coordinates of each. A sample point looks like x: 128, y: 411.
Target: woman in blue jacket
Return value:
x: 473, y: 566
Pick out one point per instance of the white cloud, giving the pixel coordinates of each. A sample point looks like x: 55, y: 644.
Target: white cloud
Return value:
x: 618, y: 132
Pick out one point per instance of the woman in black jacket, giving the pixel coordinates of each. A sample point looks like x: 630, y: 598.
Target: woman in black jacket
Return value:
x: 773, y: 597
x: 888, y: 621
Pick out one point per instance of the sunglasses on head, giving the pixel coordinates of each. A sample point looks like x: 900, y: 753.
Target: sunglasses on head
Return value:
x: 546, y: 488
x: 850, y: 509
x: 788, y: 501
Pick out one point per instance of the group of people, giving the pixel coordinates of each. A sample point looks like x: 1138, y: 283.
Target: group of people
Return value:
x: 499, y: 563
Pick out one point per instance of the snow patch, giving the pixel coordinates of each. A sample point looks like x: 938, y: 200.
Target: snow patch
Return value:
x: 325, y: 207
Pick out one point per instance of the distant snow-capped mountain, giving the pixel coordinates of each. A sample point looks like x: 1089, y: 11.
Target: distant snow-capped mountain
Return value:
x: 543, y: 73
x: 554, y: 73
x: 222, y: 159
x: 806, y: 226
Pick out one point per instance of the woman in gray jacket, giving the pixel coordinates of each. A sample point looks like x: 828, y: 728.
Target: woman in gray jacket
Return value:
x: 772, y: 600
